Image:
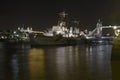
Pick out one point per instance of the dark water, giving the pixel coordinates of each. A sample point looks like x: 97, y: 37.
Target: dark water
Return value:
x: 83, y: 62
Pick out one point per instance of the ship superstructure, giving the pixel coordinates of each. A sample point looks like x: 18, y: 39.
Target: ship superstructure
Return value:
x: 60, y: 34
x: 62, y: 29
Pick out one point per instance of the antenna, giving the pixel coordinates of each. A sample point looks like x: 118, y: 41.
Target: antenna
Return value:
x: 76, y: 22
x: 63, y: 14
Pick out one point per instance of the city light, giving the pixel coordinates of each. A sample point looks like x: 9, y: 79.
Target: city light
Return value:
x: 115, y: 27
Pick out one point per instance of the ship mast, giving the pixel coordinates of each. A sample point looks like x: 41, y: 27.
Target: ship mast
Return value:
x: 76, y: 23
x: 62, y: 17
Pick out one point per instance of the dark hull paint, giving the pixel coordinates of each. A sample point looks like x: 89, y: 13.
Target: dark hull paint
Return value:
x: 46, y: 41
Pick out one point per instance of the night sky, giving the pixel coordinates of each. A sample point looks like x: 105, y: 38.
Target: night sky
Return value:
x: 40, y: 15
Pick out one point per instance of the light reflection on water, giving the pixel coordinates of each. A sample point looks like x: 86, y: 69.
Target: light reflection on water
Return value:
x: 83, y: 62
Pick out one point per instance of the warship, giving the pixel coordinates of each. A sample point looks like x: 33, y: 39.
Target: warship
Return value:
x: 59, y: 34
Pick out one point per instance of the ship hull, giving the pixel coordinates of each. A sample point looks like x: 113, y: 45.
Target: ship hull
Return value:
x: 44, y: 40
x: 56, y: 40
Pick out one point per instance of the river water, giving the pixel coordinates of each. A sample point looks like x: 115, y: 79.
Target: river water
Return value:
x: 80, y: 62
